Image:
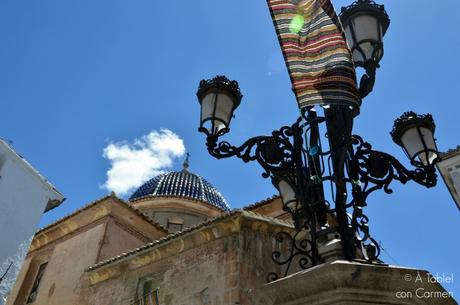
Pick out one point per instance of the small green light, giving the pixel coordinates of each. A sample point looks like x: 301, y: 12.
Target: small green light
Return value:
x: 296, y: 24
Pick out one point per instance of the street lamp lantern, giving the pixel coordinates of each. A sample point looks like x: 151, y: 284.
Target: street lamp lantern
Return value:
x: 326, y: 186
x: 365, y: 24
x: 219, y: 97
x: 415, y: 134
x: 287, y: 192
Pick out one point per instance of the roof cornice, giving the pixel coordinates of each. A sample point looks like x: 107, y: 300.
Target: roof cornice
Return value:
x: 215, y: 228
x: 57, y: 198
x: 261, y: 203
x: 450, y: 153
x: 68, y: 224
x: 150, y: 197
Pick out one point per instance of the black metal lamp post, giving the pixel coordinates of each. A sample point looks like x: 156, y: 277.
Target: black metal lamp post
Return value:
x: 365, y: 23
x: 301, y: 167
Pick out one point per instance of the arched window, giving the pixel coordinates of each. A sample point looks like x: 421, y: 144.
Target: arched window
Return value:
x: 34, y: 291
x: 147, y: 293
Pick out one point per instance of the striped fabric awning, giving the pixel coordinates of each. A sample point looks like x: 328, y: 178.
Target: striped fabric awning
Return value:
x: 316, y: 53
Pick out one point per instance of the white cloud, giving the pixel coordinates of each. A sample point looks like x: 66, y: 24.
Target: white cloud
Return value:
x: 133, y: 164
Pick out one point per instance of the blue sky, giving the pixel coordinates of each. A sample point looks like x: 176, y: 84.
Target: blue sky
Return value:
x: 76, y: 76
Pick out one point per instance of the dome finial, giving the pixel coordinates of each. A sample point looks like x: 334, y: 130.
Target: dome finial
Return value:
x: 186, y: 164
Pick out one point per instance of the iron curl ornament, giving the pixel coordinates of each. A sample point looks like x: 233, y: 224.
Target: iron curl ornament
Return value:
x: 295, y: 154
x: 297, y: 249
x: 324, y: 188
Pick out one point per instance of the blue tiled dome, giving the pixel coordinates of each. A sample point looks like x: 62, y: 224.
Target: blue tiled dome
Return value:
x: 182, y: 184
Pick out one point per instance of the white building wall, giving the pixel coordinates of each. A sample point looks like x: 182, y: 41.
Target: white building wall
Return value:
x: 24, y: 196
x: 449, y: 167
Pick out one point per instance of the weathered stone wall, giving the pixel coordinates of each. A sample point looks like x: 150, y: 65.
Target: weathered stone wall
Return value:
x: 119, y: 238
x: 19, y: 290
x: 103, y: 230
x: 223, y: 271
x: 188, y: 219
x: 190, y: 211
x: 202, y: 275
x: 255, y: 263
x: 272, y: 207
x: 221, y: 262
x: 66, y: 264
x: 346, y: 282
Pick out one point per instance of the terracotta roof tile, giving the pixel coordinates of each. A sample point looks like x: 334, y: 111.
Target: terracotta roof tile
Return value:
x: 261, y: 203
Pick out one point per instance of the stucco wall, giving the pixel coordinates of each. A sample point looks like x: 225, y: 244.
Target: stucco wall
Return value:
x: 103, y: 229
x: 188, y: 219
x: 256, y: 262
x: 66, y: 265
x: 118, y: 239
x: 191, y: 212
x: 192, y: 277
x: 21, y: 278
x: 272, y: 207
x: 225, y: 271
x: 22, y: 202
x: 24, y: 195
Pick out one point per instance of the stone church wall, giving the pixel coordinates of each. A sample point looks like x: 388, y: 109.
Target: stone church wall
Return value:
x: 203, y: 275
x: 224, y: 271
x: 61, y: 279
x: 101, y: 230
x: 119, y: 238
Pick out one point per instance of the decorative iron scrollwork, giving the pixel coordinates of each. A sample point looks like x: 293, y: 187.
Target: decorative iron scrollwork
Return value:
x: 294, y: 154
x: 299, y: 249
x: 377, y: 170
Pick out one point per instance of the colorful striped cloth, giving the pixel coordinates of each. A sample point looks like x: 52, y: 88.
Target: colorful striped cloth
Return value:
x: 316, y: 53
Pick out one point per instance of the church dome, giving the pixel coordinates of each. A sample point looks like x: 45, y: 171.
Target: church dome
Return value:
x: 182, y: 184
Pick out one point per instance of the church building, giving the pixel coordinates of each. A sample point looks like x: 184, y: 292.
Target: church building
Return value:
x: 175, y: 242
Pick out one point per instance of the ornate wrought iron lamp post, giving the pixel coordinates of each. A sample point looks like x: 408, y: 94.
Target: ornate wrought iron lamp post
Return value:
x: 301, y: 167
x: 365, y: 23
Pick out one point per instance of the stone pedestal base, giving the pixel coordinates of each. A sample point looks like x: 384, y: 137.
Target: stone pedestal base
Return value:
x: 352, y: 283
x: 331, y: 250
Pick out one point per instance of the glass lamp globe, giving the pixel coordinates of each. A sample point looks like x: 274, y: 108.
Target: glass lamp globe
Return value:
x: 218, y: 97
x: 365, y: 23
x: 415, y: 134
